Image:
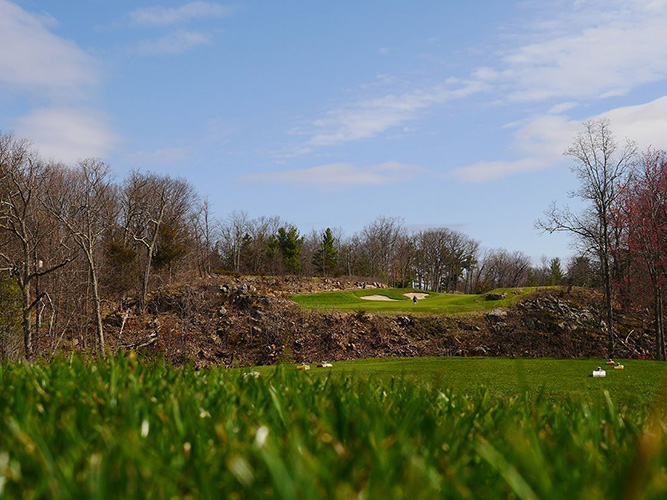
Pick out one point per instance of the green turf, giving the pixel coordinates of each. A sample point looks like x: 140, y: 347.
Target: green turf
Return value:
x: 385, y: 429
x: 638, y: 383
x: 435, y: 303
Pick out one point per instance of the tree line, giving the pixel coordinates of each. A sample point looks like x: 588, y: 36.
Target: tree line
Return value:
x: 76, y: 244
x: 623, y: 227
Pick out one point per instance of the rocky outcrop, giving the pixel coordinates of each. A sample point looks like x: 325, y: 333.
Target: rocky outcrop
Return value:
x: 253, y: 321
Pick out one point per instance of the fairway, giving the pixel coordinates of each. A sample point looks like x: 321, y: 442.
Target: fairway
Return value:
x: 434, y: 303
x: 639, y: 383
x: 378, y: 429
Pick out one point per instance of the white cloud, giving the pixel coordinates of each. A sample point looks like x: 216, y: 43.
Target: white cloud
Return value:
x: 372, y: 117
x: 598, y: 50
x: 486, y: 171
x: 166, y: 16
x: 540, y: 142
x: 34, y: 60
x: 646, y: 123
x: 57, y: 75
x: 175, y: 43
x: 589, y: 50
x: 562, y: 107
x: 337, y: 175
x: 68, y: 135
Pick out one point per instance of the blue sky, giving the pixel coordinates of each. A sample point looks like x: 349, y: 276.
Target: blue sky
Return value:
x: 443, y: 113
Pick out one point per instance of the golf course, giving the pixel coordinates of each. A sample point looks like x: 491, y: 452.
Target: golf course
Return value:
x: 399, y: 300
x: 394, y: 428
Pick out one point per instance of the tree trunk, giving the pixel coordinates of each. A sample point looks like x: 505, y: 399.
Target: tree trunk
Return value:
x: 27, y: 331
x: 608, y: 302
x: 97, y: 307
x: 659, y: 327
x: 144, y: 283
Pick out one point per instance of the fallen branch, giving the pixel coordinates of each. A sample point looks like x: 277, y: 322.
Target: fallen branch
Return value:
x: 122, y: 325
x: 152, y: 338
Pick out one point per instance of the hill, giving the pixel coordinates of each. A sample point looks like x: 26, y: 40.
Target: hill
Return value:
x: 241, y: 321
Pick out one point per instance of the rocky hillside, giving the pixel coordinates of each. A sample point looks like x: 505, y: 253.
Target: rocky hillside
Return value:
x: 251, y: 320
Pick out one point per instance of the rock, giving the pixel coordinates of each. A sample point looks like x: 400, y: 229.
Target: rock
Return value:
x: 500, y: 327
x: 495, y: 296
x: 468, y: 327
x: 405, y: 321
x: 530, y: 323
x: 496, y: 315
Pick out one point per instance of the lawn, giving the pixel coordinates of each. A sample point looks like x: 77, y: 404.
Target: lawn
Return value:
x: 435, y: 303
x: 376, y: 429
x: 639, y: 383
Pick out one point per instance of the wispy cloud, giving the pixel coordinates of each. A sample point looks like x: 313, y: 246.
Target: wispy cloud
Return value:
x: 592, y: 50
x: 372, y: 117
x: 175, y: 43
x: 540, y: 142
x: 68, y: 134
x: 167, y: 16
x: 338, y: 175
x: 35, y: 61
x: 58, y: 77
x: 645, y: 123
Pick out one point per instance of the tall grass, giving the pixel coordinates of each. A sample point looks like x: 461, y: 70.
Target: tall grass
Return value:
x: 121, y: 429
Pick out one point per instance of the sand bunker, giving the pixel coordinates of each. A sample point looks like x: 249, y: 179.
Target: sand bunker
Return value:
x: 409, y: 295
x: 377, y: 297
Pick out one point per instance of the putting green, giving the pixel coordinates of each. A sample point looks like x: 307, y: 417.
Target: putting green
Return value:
x: 394, y: 300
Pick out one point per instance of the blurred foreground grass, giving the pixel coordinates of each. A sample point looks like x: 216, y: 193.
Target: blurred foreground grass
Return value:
x: 121, y: 429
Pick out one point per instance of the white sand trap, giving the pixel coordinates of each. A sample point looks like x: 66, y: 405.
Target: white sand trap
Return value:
x: 377, y: 297
x: 419, y: 296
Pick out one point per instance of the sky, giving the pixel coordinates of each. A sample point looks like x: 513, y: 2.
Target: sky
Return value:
x: 330, y: 114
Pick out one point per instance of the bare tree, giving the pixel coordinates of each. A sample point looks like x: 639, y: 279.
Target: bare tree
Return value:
x: 445, y: 257
x: 26, y: 226
x: 380, y: 239
x: 84, y: 200
x: 254, y: 244
x: 432, y: 258
x: 150, y: 201
x: 206, y: 229
x: 601, y: 166
x: 235, y: 228
x: 500, y: 268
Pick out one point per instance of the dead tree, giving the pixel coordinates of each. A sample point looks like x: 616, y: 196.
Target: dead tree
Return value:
x: 601, y: 167
x: 84, y: 200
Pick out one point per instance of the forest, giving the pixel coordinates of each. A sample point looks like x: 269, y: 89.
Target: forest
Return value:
x: 76, y: 243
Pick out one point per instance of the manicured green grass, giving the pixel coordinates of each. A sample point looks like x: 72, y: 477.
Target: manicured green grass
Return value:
x: 435, y: 303
x: 638, y: 383
x: 376, y: 429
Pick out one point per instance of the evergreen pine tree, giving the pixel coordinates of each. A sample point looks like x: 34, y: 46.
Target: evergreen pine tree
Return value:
x: 325, y: 258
